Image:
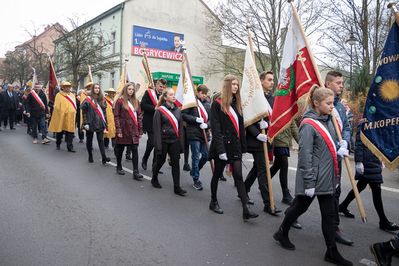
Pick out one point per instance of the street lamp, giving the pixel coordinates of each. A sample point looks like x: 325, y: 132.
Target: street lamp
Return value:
x: 351, y: 41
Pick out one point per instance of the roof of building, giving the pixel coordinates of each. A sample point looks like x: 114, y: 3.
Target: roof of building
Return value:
x: 47, y: 29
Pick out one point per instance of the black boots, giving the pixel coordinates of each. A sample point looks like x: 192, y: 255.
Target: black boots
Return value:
x: 247, y: 213
x: 179, y: 191
x: 332, y: 255
x: 119, y: 170
x: 137, y: 176
x: 105, y: 160
x: 283, y: 239
x: 214, y: 206
x: 383, y: 253
x: 287, y: 198
x: 90, y: 157
x: 155, y: 183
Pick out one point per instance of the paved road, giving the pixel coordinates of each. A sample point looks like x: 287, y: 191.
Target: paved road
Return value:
x: 56, y: 209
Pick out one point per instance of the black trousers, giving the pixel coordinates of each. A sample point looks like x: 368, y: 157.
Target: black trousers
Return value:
x: 173, y: 149
x: 186, y: 146
x: 68, y: 139
x: 119, y: 148
x: 337, y: 194
x: 281, y: 164
x: 106, y: 142
x: 327, y: 209
x: 258, y: 170
x: 149, y: 148
x: 237, y: 175
x: 9, y: 117
x: 377, y: 199
x: 100, y: 141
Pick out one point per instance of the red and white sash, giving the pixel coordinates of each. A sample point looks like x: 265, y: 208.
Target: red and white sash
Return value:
x: 98, y: 110
x: 338, y: 118
x: 38, y: 100
x: 322, y: 130
x: 109, y: 102
x: 132, y: 113
x: 233, y: 118
x: 202, y: 111
x: 172, y: 119
x: 71, y: 100
x: 153, y: 96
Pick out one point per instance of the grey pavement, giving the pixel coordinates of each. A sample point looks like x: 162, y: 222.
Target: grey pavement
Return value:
x: 57, y: 209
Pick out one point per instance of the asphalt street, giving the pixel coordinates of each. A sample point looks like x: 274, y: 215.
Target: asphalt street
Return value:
x: 57, y: 209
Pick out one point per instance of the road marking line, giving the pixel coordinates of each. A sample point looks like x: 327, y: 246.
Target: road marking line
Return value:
x: 129, y: 171
x: 390, y: 189
x: 367, y: 262
x: 50, y: 138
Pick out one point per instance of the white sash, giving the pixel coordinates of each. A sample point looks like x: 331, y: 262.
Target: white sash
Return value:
x: 339, y: 120
x: 202, y: 111
x: 172, y: 119
x: 132, y: 112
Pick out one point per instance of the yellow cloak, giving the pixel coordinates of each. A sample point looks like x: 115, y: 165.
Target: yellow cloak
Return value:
x: 110, y: 119
x: 83, y: 96
x: 64, y: 113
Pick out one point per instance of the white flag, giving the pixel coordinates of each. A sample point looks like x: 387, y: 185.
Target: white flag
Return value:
x: 185, y: 96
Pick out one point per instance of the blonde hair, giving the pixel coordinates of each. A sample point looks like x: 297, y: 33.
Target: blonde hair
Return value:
x: 123, y: 95
x: 227, y: 94
x: 319, y: 94
x: 162, y: 99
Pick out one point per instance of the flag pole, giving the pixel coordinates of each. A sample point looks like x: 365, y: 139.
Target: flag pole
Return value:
x: 338, y: 131
x: 265, y: 149
x: 395, y: 11
x: 185, y: 61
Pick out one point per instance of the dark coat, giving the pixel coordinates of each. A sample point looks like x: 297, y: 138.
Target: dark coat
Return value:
x: 125, y: 125
x: 163, y: 129
x: 225, y: 138
x: 346, y: 130
x: 372, y: 165
x: 33, y: 107
x: 148, y: 109
x: 91, y: 118
x: 10, y: 103
x: 193, y: 130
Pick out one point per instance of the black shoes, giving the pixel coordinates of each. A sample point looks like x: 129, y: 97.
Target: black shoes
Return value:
x: 128, y: 157
x: 247, y: 213
x: 155, y: 183
x: 106, y: 160
x: 144, y: 165
x: 137, y: 176
x: 287, y: 198
x: 283, y: 240
x: 346, y: 212
x: 340, y: 238
x: 179, y: 191
x: 91, y: 159
x: 269, y: 210
x: 389, y: 227
x: 71, y: 150
x: 187, y: 167
x: 222, y: 178
x: 214, y: 206
x: 296, y: 225
x: 382, y: 256
x: 120, y: 171
x: 332, y: 255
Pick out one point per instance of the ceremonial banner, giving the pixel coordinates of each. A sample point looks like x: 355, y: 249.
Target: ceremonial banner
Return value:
x: 297, y: 77
x: 52, y: 82
x: 380, y: 131
x: 254, y: 104
x: 185, y: 96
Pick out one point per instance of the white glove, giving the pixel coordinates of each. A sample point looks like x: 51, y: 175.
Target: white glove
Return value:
x: 263, y: 124
x: 86, y: 127
x: 199, y: 120
x: 204, y: 126
x: 359, y: 168
x: 309, y: 192
x: 343, y: 144
x: 342, y: 152
x: 262, y: 137
x: 223, y: 156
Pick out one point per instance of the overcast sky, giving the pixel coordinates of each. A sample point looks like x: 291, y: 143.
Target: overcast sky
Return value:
x: 21, y: 17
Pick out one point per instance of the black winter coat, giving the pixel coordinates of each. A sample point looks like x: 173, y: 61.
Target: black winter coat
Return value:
x: 163, y: 129
x: 148, y: 109
x: 33, y: 107
x: 10, y: 103
x: 224, y: 136
x: 193, y: 130
x: 91, y: 118
x: 372, y: 165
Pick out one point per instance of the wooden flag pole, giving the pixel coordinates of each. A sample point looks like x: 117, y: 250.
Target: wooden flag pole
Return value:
x: 265, y: 149
x: 338, y: 131
x: 395, y: 11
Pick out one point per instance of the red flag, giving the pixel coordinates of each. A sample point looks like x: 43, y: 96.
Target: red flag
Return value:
x: 52, y: 82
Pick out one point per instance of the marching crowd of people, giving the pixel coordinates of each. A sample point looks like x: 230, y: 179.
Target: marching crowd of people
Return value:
x: 119, y: 119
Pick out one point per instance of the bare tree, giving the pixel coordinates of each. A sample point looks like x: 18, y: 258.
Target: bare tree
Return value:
x: 16, y: 67
x: 84, y: 45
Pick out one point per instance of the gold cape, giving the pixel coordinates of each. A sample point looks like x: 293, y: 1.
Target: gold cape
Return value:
x: 64, y: 114
x: 110, y: 120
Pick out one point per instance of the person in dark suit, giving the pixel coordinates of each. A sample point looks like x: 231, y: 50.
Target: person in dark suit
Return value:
x: 177, y: 46
x: 10, y: 105
x: 148, y: 104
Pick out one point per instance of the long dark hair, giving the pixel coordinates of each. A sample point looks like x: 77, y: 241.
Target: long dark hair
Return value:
x: 99, y: 98
x: 123, y: 95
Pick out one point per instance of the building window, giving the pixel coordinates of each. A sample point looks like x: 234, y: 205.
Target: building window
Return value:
x: 113, y: 41
x: 112, y: 79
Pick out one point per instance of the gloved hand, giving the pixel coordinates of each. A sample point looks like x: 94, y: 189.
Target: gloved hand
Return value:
x: 262, y: 137
x: 199, y: 120
x: 359, y: 168
x: 223, y: 156
x: 342, y: 152
x: 86, y: 127
x: 309, y: 192
x: 204, y: 126
x: 263, y: 124
x: 343, y: 144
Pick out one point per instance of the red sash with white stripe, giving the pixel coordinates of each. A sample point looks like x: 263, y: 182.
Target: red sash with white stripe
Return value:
x: 132, y: 113
x: 98, y: 110
x: 202, y: 111
x: 71, y: 100
x: 38, y: 100
x: 233, y: 118
x: 322, y: 130
x: 109, y: 102
x: 172, y: 119
x: 153, y: 96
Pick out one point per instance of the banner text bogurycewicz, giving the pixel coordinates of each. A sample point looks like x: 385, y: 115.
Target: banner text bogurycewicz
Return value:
x: 170, y: 55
